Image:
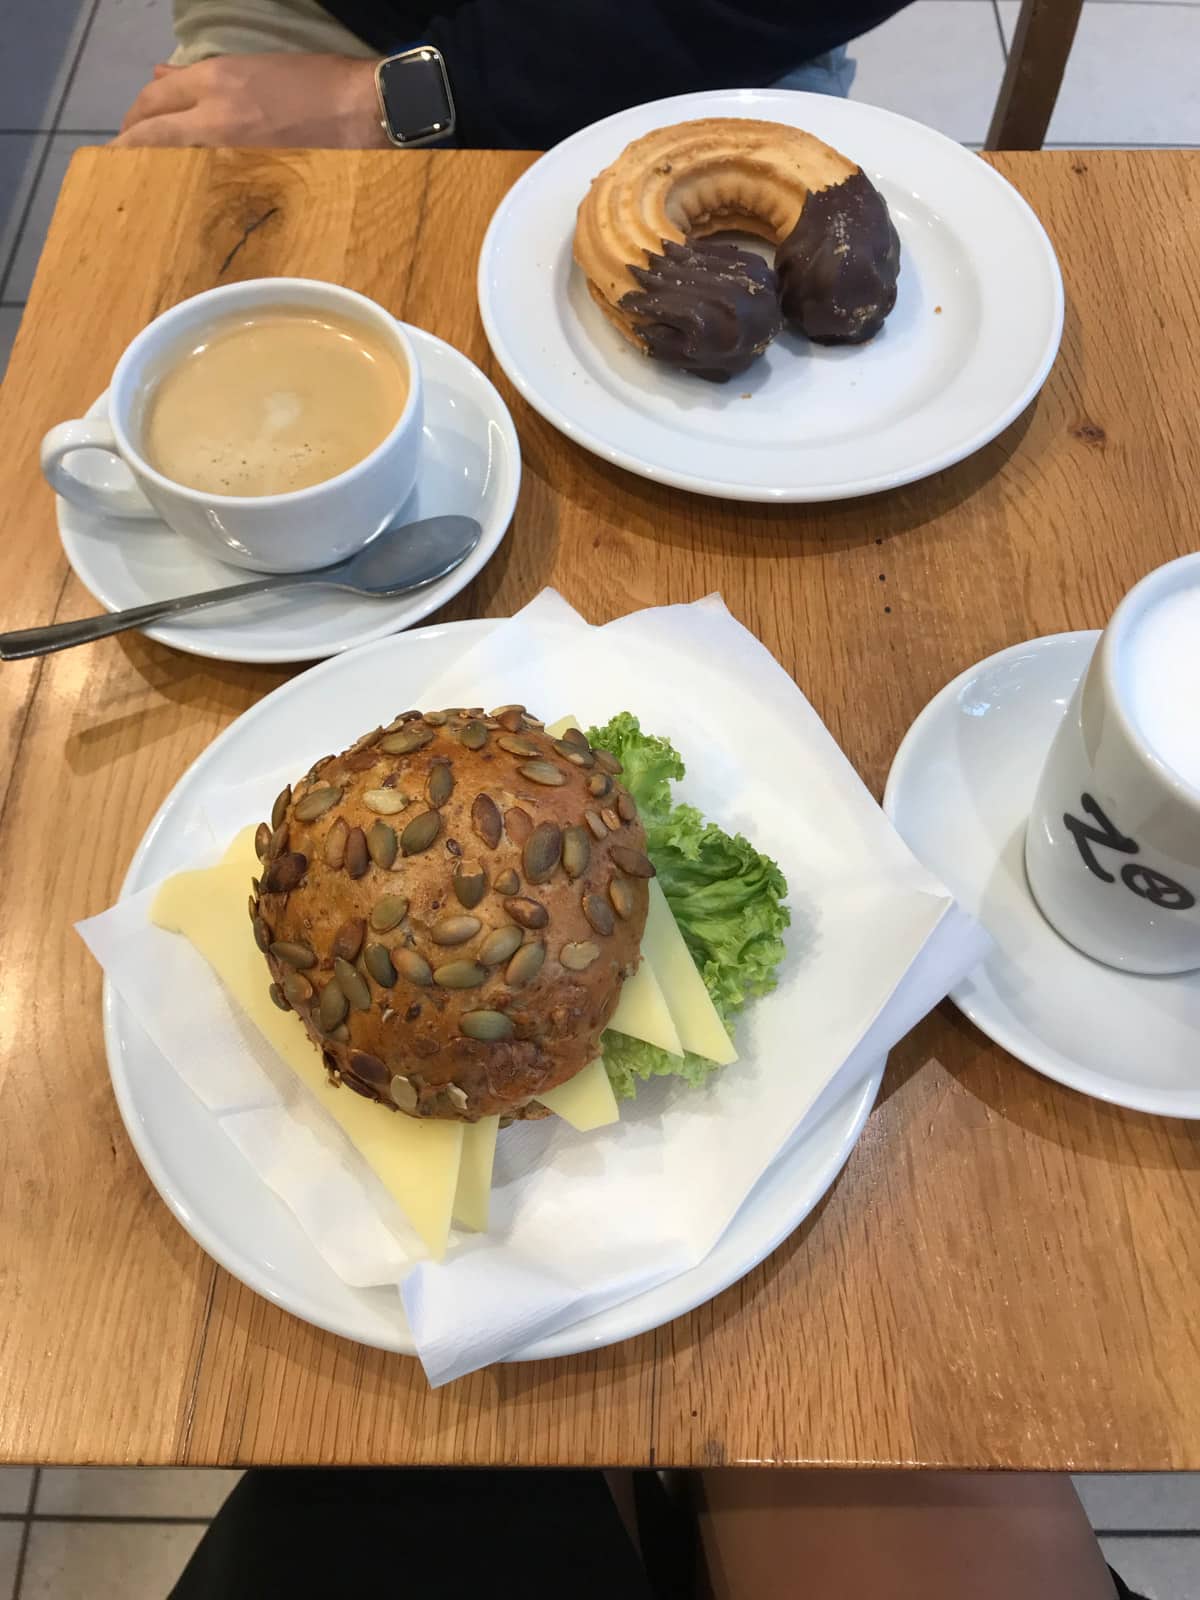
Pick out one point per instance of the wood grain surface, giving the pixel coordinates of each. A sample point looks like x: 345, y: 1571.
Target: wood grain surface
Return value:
x: 1007, y: 1274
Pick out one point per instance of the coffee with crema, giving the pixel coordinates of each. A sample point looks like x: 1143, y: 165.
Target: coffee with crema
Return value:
x: 272, y: 402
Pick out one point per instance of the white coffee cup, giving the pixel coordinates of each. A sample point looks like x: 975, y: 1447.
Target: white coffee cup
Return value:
x: 1112, y: 850
x: 290, y: 532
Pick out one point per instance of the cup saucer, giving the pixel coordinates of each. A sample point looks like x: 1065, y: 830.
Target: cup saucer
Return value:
x: 959, y: 793
x: 470, y: 464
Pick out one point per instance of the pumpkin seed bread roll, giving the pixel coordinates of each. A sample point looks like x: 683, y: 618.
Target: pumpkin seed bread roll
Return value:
x: 451, y: 907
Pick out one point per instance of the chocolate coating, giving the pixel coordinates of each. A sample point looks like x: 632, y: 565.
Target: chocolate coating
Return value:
x: 710, y: 308
x: 838, y: 266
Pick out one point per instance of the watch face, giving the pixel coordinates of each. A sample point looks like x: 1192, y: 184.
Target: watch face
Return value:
x: 416, y: 95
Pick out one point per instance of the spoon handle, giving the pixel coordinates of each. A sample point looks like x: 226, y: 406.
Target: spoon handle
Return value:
x: 26, y: 642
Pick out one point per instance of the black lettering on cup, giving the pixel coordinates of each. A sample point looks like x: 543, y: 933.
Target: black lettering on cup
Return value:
x: 1106, y: 834
x: 1157, y: 888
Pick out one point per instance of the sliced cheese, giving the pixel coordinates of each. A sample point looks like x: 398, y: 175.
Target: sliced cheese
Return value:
x: 472, y: 1198
x: 417, y: 1162
x: 557, y: 729
x: 586, y: 1101
x: 695, y: 1017
x: 642, y: 1011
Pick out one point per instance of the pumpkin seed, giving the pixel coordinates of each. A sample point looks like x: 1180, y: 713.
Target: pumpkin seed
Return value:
x: 576, y: 957
x: 347, y: 941
x: 526, y: 964
x: 388, y: 912
x: 599, y: 913
x: 626, y: 807
x: 499, y: 945
x: 407, y: 740
x: 435, y: 719
x: 293, y: 954
x: 457, y: 1097
x: 485, y: 819
x: 529, y: 913
x: 620, y: 892
x: 279, y: 998
x: 518, y: 824
x: 361, y: 760
x: 381, y: 844
x: 357, y: 855
x: 342, y: 1035
x: 470, y: 884
x: 403, y: 1093
x: 317, y: 802
x: 256, y: 886
x: 297, y: 989
x: 608, y: 763
x: 474, y: 735
x: 574, y: 753
x: 510, y: 718
x: 279, y: 842
x: 334, y: 849
x: 333, y: 1006
x: 285, y: 872
x: 610, y: 819
x: 516, y: 746
x: 632, y: 862
x: 454, y: 930
x: 441, y: 783
x: 577, y: 736
x: 252, y: 905
x: 354, y: 985
x: 369, y: 1068
x: 543, y: 852
x: 459, y: 975
x: 592, y: 818
x: 262, y: 838
x: 279, y: 810
x: 599, y: 784
x: 576, y: 852
x: 262, y: 934
x: 488, y: 1026
x: 420, y: 833
x: 507, y: 882
x: 385, y: 802
x: 543, y: 772
x: 413, y: 967
x: 379, y: 964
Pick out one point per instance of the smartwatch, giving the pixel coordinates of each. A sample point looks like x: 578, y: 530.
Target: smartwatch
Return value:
x: 415, y: 103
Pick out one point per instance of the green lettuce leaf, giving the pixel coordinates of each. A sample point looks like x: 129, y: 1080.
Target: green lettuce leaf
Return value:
x: 727, y: 897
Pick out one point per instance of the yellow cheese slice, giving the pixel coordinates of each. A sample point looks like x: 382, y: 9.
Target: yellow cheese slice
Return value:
x: 557, y: 729
x: 642, y: 1011
x: 418, y: 1163
x: 586, y: 1101
x: 695, y: 1017
x: 473, y: 1197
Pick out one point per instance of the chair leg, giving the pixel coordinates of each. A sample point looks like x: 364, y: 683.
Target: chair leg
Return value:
x: 1037, y: 59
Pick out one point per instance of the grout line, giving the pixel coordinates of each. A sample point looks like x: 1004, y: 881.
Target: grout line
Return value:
x: 1000, y: 30
x: 26, y: 1531
x: 7, y: 266
x: 99, y: 133
x: 12, y: 305
x: 1147, y: 1533
x: 102, y: 1518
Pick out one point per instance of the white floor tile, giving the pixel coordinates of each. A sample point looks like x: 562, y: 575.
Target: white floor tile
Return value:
x: 1140, y: 1502
x: 126, y: 39
x: 1160, y: 1568
x: 40, y: 45
x: 1132, y: 76
x: 19, y: 157
x: 29, y: 246
x: 106, y: 1560
x: 10, y: 1548
x: 15, y: 1482
x: 939, y: 61
x: 132, y: 1491
x: 10, y: 321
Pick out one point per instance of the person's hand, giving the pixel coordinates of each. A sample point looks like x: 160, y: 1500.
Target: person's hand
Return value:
x: 280, y: 100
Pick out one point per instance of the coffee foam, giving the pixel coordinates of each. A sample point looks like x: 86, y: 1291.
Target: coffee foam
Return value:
x: 1161, y: 673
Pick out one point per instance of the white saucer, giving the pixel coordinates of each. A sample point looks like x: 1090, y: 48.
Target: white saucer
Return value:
x: 959, y: 793
x: 470, y: 463
x: 973, y: 335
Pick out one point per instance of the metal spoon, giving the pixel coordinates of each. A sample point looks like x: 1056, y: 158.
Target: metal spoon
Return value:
x: 399, y: 560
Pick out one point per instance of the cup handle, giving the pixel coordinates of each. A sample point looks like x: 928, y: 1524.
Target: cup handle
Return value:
x: 106, y: 500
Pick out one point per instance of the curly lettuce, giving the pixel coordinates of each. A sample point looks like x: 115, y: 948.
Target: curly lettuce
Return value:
x: 727, y: 897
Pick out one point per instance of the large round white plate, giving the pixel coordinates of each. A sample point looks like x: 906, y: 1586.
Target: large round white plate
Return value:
x: 470, y: 463
x: 959, y: 793
x: 973, y: 335
x: 232, y: 1214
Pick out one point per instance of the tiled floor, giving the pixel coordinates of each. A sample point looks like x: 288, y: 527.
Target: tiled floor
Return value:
x: 67, y: 73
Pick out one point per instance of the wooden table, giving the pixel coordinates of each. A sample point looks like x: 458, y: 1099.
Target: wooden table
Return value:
x: 1007, y: 1274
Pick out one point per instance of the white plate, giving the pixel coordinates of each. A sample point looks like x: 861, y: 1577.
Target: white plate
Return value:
x: 218, y: 1197
x: 470, y: 463
x: 973, y: 335
x: 959, y: 793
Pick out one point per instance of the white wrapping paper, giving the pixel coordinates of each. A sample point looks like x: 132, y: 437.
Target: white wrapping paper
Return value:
x: 584, y: 1221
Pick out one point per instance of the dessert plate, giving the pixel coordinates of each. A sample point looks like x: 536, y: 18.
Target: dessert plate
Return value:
x: 976, y: 326
x: 959, y: 794
x: 470, y: 464
x: 231, y: 1213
